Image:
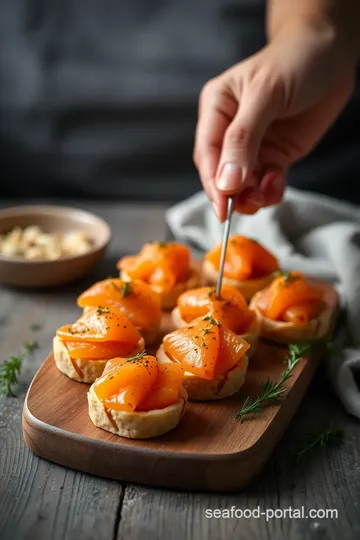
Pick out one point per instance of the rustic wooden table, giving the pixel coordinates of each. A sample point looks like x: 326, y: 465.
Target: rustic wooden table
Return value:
x: 43, y: 501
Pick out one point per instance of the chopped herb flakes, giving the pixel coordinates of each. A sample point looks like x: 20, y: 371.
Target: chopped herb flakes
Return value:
x: 101, y: 310
x: 211, y: 320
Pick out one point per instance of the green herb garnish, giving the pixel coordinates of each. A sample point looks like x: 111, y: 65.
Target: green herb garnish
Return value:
x: 211, y: 320
x: 126, y: 289
x: 320, y: 440
x: 272, y: 391
x: 162, y: 244
x: 288, y: 276
x: 10, y: 369
x: 101, y: 310
x: 136, y: 357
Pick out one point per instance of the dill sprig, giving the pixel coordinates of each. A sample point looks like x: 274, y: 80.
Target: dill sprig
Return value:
x: 320, y: 440
x: 211, y: 320
x: 136, y: 357
x: 288, y: 276
x: 273, y: 390
x: 10, y: 369
x: 126, y: 289
x: 162, y: 244
x: 102, y: 309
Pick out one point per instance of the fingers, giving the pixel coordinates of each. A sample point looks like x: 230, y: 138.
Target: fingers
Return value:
x: 217, y: 107
x: 243, y: 137
x: 270, y: 191
x: 235, y: 111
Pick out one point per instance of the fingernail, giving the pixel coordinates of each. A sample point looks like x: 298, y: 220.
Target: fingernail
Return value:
x: 231, y: 177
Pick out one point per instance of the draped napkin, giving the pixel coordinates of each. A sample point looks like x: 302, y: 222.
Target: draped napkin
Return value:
x: 312, y: 233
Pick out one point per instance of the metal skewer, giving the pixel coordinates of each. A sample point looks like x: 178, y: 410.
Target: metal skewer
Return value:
x: 230, y: 209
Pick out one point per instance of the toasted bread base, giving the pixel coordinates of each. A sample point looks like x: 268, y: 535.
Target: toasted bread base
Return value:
x: 168, y: 299
x: 251, y: 336
x: 136, y: 425
x: 248, y: 288
x: 82, y: 370
x: 287, y: 332
x: 199, y: 389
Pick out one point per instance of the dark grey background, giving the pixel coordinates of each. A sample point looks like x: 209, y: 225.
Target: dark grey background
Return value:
x: 99, y: 99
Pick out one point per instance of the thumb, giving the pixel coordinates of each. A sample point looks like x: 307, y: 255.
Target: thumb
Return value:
x: 239, y: 156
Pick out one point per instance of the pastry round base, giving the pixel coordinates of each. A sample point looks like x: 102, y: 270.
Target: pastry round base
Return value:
x: 199, y: 389
x: 287, y: 332
x: 251, y: 336
x: 248, y: 288
x: 82, y: 370
x: 168, y: 299
x: 136, y: 425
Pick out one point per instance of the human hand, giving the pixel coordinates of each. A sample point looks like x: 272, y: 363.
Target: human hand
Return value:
x: 264, y: 114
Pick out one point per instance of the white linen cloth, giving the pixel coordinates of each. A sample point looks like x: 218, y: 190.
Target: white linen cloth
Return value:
x: 312, y: 233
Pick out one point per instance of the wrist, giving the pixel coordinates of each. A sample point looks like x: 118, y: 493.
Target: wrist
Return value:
x: 322, y: 34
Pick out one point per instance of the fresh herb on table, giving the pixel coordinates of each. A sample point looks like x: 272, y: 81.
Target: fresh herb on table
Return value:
x: 270, y: 390
x: 125, y: 289
x: 319, y: 440
x: 35, y: 327
x: 10, y: 369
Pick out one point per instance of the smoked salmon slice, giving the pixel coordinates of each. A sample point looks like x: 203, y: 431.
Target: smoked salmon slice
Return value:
x: 100, y: 324
x: 290, y: 297
x: 139, y: 383
x: 205, y: 347
x: 245, y: 259
x: 231, y: 309
x: 104, y: 350
x: 158, y: 263
x: 303, y: 312
x: 135, y: 299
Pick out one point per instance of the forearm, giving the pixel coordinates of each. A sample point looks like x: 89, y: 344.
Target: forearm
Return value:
x: 337, y: 22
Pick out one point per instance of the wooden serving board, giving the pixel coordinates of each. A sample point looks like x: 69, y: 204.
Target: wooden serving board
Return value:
x: 208, y: 450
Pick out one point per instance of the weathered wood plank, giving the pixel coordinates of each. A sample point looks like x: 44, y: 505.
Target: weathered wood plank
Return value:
x: 39, y: 500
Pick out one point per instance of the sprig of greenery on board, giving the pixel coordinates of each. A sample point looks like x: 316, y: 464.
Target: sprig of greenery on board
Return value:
x: 273, y: 390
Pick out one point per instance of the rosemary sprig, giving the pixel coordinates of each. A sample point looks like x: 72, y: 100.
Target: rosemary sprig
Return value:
x: 136, y: 357
x: 10, y: 369
x: 320, y: 440
x: 270, y: 390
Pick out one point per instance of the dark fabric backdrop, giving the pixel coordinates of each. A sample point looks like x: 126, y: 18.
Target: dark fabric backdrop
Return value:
x: 99, y: 99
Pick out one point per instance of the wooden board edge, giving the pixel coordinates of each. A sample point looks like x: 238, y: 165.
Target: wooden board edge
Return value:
x: 152, y: 466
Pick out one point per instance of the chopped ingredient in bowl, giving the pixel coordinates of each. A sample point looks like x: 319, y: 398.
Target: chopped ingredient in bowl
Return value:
x: 34, y: 243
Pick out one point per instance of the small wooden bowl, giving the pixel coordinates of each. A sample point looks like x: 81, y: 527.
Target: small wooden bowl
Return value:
x: 21, y: 272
